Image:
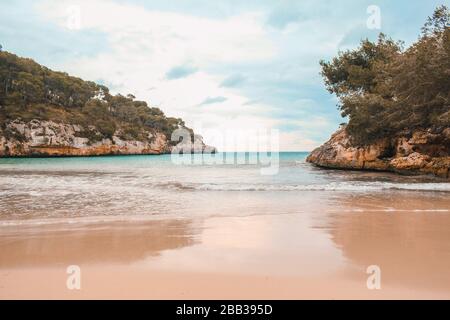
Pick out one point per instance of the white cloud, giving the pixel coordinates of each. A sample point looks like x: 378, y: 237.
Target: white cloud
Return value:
x: 144, y: 45
x: 168, y: 36
x: 295, y: 141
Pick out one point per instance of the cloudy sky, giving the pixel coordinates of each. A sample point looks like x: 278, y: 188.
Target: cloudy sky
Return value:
x: 227, y: 65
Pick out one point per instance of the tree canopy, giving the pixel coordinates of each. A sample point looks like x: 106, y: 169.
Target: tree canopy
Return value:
x: 384, y: 88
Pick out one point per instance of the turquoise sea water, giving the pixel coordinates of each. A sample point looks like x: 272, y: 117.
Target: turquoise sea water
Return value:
x: 32, y: 189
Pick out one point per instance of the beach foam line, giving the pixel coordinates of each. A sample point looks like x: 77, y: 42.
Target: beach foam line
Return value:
x: 333, y: 186
x: 88, y: 220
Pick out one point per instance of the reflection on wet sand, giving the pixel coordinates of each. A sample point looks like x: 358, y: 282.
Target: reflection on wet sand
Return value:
x: 114, y: 242
x: 249, y: 245
x: 407, y: 236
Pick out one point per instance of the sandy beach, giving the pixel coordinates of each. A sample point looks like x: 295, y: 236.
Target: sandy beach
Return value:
x: 322, y: 255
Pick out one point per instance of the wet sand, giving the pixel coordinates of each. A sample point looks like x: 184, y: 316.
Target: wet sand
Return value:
x: 322, y: 253
x: 124, y: 282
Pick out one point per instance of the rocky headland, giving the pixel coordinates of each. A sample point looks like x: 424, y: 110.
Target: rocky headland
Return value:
x: 45, y: 113
x: 395, y: 101
x: 422, y: 151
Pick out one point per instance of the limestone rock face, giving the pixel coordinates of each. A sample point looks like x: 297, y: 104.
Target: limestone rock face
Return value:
x: 421, y: 151
x: 49, y: 138
x: 197, y: 146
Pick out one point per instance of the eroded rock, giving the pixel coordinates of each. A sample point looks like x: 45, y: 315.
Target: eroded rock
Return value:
x: 49, y: 138
x: 421, y: 151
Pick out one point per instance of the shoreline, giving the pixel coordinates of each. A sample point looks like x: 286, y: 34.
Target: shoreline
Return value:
x: 405, y: 173
x: 40, y: 156
x: 82, y: 156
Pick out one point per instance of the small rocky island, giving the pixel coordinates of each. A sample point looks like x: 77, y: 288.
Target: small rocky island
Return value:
x: 397, y: 103
x: 47, y: 113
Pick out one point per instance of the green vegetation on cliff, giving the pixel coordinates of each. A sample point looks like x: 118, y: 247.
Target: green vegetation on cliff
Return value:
x: 31, y: 91
x: 384, y: 89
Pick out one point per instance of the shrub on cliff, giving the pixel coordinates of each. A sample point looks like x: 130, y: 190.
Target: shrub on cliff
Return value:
x: 384, y: 89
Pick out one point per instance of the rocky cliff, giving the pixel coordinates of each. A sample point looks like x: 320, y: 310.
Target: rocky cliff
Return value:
x: 48, y: 138
x: 410, y: 152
